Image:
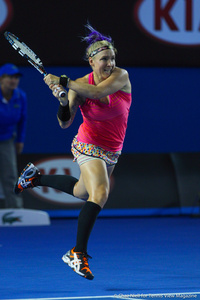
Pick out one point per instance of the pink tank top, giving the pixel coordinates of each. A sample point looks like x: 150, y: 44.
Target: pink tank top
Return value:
x: 104, y: 125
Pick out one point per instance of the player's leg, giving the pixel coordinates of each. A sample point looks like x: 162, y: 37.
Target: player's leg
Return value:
x: 95, y: 178
x: 80, y: 190
x: 94, y: 181
x: 30, y: 177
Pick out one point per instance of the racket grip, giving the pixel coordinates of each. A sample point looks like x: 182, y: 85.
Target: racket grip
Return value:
x: 62, y: 94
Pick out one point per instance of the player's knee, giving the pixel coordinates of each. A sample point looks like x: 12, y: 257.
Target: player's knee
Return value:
x: 100, y: 195
x: 80, y: 192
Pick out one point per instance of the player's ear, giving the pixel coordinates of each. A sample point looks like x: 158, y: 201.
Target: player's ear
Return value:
x: 91, y: 61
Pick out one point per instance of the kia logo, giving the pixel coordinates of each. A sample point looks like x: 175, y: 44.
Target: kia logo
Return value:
x: 54, y: 166
x: 172, y: 21
x: 5, y: 13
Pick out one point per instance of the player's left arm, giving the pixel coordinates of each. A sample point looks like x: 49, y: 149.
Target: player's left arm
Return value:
x: 115, y: 82
x: 118, y: 80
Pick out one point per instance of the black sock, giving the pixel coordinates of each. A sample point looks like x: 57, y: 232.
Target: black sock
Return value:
x: 64, y: 183
x: 86, y: 220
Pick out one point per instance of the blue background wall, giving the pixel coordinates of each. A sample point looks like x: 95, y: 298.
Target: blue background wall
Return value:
x: 164, y: 117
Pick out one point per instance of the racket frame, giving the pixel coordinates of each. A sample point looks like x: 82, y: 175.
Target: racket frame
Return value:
x: 26, y: 51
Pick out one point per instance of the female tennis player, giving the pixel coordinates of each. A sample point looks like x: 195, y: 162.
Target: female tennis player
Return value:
x: 104, y: 98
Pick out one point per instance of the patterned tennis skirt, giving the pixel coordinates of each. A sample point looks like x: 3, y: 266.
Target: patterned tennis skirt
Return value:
x: 80, y: 148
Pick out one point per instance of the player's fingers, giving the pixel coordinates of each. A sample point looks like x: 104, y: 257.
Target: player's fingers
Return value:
x: 56, y: 90
x: 52, y: 86
x: 46, y: 79
x: 51, y: 79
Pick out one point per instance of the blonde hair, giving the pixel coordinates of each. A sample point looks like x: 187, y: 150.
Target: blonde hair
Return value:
x: 98, y: 45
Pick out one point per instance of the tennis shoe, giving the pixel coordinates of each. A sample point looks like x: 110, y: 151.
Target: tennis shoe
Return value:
x: 26, y: 179
x: 78, y: 261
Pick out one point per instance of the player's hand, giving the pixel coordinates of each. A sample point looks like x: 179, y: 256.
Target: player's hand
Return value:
x: 51, y: 80
x: 56, y: 90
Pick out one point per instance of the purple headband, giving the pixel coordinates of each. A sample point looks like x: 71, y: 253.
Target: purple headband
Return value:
x: 99, y: 50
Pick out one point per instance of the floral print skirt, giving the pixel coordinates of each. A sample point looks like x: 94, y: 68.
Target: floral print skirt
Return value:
x: 80, y: 148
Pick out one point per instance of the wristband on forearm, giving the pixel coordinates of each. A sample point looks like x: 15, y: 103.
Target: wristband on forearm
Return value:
x: 64, y: 80
x: 63, y: 113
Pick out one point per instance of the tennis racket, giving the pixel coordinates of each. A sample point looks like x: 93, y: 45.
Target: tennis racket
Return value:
x: 28, y: 54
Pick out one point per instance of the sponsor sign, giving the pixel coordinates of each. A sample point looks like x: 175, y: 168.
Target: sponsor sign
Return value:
x: 23, y: 217
x: 56, y: 166
x: 5, y: 13
x: 172, y: 21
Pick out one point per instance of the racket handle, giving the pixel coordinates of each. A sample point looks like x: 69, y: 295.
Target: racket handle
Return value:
x: 62, y: 94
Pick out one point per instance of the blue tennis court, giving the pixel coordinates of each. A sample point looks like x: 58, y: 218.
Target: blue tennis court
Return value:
x: 132, y: 258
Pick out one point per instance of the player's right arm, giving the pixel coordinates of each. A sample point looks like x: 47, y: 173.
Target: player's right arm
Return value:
x: 74, y: 101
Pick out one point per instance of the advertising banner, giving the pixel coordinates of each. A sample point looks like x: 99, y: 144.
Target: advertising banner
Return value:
x: 145, y: 32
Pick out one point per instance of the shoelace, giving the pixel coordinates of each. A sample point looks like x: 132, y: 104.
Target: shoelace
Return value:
x: 85, y: 257
x: 88, y: 256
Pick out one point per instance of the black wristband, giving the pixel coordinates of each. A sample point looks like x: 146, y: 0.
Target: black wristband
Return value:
x: 64, y: 80
x: 63, y: 113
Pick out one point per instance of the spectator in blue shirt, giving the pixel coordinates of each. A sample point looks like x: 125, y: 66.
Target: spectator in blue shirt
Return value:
x: 13, y: 111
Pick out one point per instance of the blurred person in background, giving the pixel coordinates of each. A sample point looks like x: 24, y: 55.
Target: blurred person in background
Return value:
x: 13, y: 111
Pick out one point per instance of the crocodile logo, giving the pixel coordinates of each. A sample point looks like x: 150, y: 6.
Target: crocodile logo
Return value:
x: 8, y: 218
